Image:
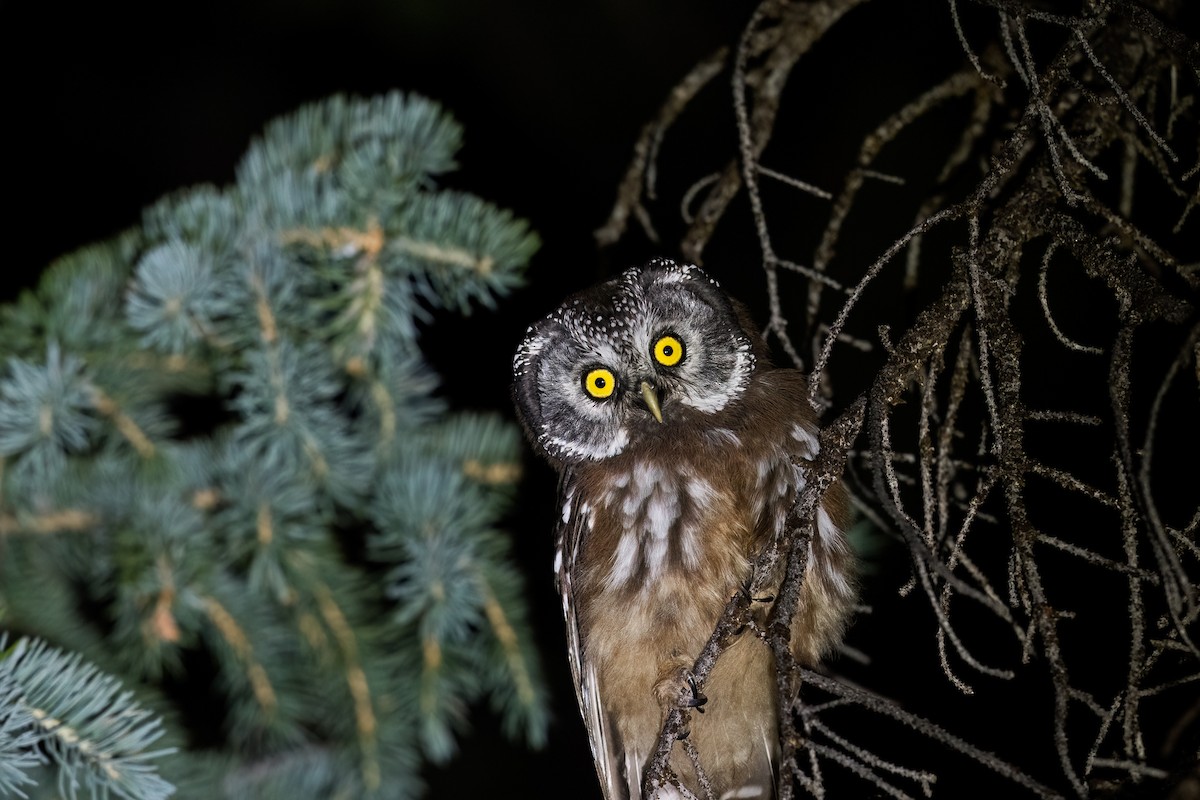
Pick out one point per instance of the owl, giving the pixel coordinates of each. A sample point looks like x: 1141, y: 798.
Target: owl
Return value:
x: 679, y: 450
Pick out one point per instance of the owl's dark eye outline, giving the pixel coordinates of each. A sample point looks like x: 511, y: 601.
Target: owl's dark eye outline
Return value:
x: 599, y: 383
x: 668, y: 349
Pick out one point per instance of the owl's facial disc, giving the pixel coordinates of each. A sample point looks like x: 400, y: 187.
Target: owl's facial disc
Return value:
x: 629, y: 360
x: 686, y: 338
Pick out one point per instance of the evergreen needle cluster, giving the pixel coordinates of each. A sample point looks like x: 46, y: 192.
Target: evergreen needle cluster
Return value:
x: 227, y: 482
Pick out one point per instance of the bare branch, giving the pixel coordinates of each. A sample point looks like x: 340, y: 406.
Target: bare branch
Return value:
x: 640, y: 175
x: 958, y: 464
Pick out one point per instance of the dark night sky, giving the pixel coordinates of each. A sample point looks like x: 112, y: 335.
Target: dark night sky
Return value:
x: 109, y: 108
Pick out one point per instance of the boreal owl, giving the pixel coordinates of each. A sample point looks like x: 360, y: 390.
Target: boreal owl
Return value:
x: 680, y: 452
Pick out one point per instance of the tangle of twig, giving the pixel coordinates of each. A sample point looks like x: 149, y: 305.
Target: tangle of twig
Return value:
x: 974, y: 407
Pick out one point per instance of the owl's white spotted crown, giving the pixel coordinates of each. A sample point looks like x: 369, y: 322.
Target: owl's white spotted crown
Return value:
x: 589, y: 377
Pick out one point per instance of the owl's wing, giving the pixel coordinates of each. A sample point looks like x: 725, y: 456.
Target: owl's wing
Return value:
x: 570, y: 534
x: 829, y: 589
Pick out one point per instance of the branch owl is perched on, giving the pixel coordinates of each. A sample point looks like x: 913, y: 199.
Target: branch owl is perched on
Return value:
x: 678, y: 448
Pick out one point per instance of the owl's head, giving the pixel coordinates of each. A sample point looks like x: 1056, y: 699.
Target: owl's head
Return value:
x: 656, y: 347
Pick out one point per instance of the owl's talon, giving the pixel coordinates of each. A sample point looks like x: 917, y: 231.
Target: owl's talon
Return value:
x: 679, y: 690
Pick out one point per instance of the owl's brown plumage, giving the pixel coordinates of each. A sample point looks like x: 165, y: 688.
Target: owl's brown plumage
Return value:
x: 662, y: 518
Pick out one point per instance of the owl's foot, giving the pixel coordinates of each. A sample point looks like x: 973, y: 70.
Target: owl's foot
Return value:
x: 677, y: 689
x: 746, y: 590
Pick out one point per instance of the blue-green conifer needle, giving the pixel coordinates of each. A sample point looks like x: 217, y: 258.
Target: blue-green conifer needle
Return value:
x: 92, y: 728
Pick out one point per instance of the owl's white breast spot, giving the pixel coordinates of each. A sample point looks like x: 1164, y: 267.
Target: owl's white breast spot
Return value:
x: 656, y: 557
x: 662, y: 509
x: 624, y: 561
x: 652, y: 518
x: 765, y: 467
x: 702, y: 494
x: 689, y: 545
x: 806, y: 437
x: 646, y: 477
x: 701, y: 491
x: 725, y: 436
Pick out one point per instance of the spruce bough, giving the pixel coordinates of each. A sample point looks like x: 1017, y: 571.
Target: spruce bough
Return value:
x: 227, y: 482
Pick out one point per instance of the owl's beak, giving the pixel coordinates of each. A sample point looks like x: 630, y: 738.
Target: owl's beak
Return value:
x: 650, y: 395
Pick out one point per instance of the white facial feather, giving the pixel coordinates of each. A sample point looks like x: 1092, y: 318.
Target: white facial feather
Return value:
x: 733, y: 387
x: 584, y: 451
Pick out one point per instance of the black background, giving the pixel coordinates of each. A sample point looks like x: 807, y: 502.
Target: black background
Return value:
x: 108, y: 108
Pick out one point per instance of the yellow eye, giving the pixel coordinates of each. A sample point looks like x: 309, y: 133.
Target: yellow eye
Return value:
x: 599, y: 383
x: 668, y: 351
